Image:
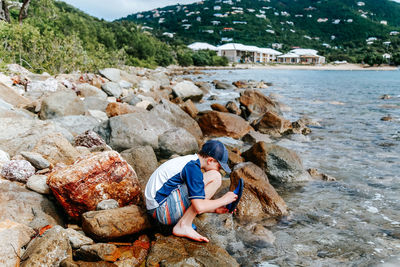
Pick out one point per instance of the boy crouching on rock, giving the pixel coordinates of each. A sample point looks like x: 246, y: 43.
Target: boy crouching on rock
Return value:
x: 178, y: 190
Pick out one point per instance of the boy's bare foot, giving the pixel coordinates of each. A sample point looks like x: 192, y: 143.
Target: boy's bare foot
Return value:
x: 188, y: 232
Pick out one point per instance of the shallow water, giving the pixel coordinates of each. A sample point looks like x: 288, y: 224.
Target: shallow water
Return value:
x: 354, y: 221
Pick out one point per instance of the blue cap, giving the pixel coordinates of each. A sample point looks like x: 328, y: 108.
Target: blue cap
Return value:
x: 217, y: 150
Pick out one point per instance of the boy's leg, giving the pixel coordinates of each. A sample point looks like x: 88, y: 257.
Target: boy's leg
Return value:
x: 212, y: 181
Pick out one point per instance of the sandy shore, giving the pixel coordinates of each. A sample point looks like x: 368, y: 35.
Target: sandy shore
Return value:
x: 299, y: 67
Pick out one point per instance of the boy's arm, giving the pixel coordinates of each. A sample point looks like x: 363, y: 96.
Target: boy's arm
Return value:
x: 210, y: 205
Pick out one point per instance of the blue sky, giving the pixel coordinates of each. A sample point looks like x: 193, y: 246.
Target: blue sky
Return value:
x: 114, y: 9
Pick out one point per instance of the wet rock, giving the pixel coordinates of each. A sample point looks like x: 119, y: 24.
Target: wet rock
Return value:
x: 299, y: 127
x: 259, y: 198
x: 175, y: 251
x: 143, y: 160
x: 256, y: 235
x: 17, y: 170
x: 107, y: 204
x: 176, y: 141
x: 76, y: 124
x: 223, y: 85
x: 112, y: 74
x: 89, y: 139
x: 36, y: 160
x: 233, y: 108
x: 214, y: 123
x: 385, y: 97
x: 56, y: 149
x: 136, y: 254
x: 219, y: 107
x: 23, y: 134
x: 315, y: 174
x: 241, y: 84
x: 87, y: 90
x: 187, y: 90
x: 98, y: 252
x: 387, y: 118
x: 112, y: 89
x: 115, y: 222
x: 116, y: 109
x: 25, y: 206
x: 80, y: 187
x: 204, y: 86
x: 47, y: 250
x: 61, y: 103
x: 38, y: 184
x: 77, y: 239
x: 10, y: 96
x: 95, y: 103
x: 14, y: 236
x: 71, y: 263
x: 256, y: 103
x: 271, y: 123
x: 253, y: 137
x: 280, y: 164
x: 190, y: 108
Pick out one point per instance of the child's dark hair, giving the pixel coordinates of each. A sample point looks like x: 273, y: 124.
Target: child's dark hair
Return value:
x: 202, y: 154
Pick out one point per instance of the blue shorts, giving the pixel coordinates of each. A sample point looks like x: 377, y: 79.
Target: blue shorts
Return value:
x: 173, y: 208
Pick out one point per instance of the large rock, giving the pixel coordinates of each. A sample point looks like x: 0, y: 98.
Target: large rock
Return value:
x: 253, y: 137
x: 36, y: 160
x: 273, y: 124
x: 13, y: 237
x: 95, y: 103
x: 148, y: 85
x: 56, y: 149
x: 23, y: 134
x: 143, y: 160
x: 41, y: 83
x: 10, y: 96
x: 161, y: 77
x: 175, y: 251
x: 256, y: 103
x: 17, y: 170
x: 38, y: 184
x: 176, y: 141
x: 223, y: 85
x: 89, y: 139
x: 25, y: 206
x: 112, y: 89
x: 76, y: 124
x: 280, y: 164
x: 190, y: 108
x: 112, y: 74
x: 48, y: 250
x: 214, y: 123
x: 77, y: 239
x: 108, y: 224
x: 98, y: 252
x: 187, y: 90
x: 61, y: 103
x: 87, y: 90
x: 80, y: 187
x: 259, y: 197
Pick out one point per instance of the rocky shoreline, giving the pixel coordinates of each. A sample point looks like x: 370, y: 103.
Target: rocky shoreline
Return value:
x: 76, y: 151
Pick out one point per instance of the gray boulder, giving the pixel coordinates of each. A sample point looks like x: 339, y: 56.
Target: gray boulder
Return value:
x: 61, y: 103
x: 107, y: 204
x: 148, y: 85
x: 223, y: 85
x: 112, y: 89
x: 125, y: 84
x: 187, y: 90
x: 161, y: 77
x: 48, y: 250
x: 95, y: 103
x: 38, y: 184
x: 77, y: 239
x: 280, y: 164
x: 176, y: 141
x: 36, y: 160
x: 77, y: 124
x: 87, y: 90
x: 23, y: 134
x: 112, y: 74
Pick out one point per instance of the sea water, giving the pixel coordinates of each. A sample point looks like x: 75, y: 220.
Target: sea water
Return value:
x: 354, y: 221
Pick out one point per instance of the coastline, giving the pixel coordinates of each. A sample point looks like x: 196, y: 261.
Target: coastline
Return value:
x: 349, y: 67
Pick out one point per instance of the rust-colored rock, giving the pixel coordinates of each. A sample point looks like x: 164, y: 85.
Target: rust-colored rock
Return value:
x: 219, y: 107
x: 259, y: 197
x: 136, y: 254
x: 256, y: 103
x: 233, y: 108
x: 190, y: 108
x: 214, y: 123
x: 116, y: 109
x: 234, y: 157
x: 98, y: 252
x: 272, y: 124
x: 80, y: 187
x: 108, y: 224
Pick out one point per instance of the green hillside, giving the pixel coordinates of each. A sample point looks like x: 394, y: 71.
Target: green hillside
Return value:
x: 338, y: 29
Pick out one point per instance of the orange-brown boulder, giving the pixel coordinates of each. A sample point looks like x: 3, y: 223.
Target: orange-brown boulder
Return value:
x: 190, y: 108
x: 256, y: 103
x: 81, y: 186
x: 259, y: 197
x: 272, y: 124
x: 116, y: 109
x: 219, y: 107
x: 214, y: 123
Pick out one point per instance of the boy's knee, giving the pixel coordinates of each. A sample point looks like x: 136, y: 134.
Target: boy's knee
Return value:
x: 213, y: 176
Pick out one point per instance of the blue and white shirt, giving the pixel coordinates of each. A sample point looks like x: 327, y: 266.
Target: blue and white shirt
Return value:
x: 170, y: 175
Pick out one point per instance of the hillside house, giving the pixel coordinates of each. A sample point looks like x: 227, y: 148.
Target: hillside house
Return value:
x: 245, y: 53
x: 289, y: 58
x: 308, y: 56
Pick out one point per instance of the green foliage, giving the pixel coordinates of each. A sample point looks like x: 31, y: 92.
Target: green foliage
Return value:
x: 184, y: 58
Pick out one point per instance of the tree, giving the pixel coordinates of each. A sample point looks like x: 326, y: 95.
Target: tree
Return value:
x: 23, y: 12
x: 4, y: 12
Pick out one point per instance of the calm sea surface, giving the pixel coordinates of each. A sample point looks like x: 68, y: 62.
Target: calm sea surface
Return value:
x: 354, y: 221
